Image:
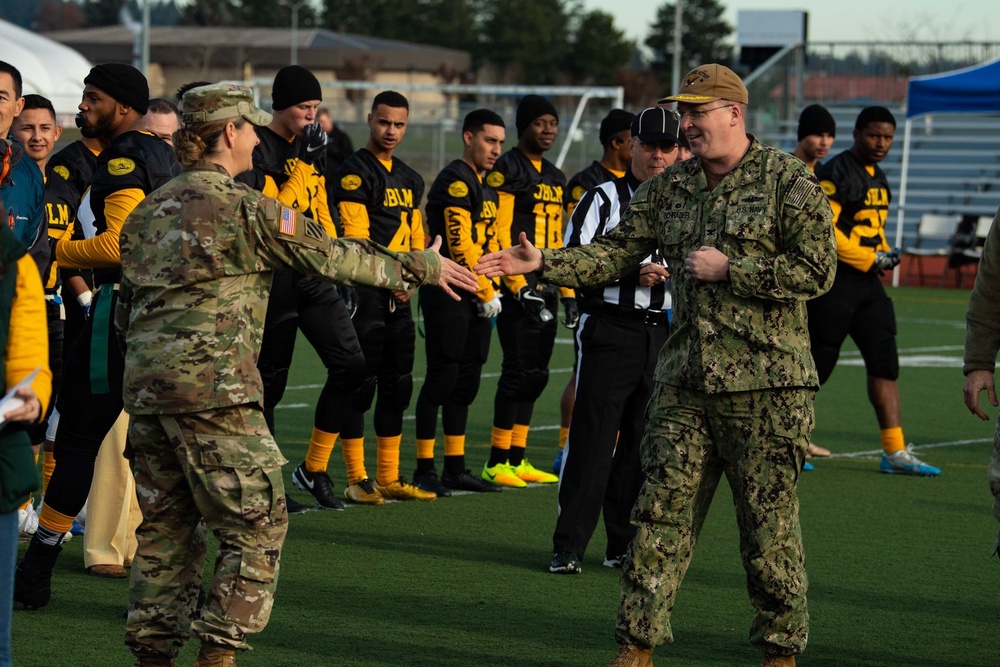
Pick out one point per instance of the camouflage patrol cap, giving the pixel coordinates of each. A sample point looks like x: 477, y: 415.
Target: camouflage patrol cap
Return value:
x: 708, y: 83
x: 221, y: 101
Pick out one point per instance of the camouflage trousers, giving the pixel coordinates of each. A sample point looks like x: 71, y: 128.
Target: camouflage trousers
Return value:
x: 758, y: 440
x: 993, y: 474
x: 220, y: 468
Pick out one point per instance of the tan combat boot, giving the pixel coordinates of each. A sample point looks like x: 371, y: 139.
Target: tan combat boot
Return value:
x: 215, y: 656
x: 630, y: 655
x: 778, y: 661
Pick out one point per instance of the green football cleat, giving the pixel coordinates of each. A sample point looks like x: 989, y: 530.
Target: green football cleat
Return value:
x: 503, y: 475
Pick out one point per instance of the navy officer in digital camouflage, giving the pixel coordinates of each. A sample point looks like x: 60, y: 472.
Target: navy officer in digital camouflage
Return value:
x: 747, y: 234
x: 197, y: 257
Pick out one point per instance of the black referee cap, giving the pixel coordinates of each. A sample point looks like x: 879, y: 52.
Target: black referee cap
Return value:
x: 658, y: 124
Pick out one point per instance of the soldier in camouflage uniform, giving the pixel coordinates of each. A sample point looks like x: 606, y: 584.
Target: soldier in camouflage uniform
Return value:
x: 746, y: 232
x: 197, y: 258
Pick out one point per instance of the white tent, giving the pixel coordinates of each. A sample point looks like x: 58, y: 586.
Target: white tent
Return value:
x: 973, y: 89
x: 47, y: 67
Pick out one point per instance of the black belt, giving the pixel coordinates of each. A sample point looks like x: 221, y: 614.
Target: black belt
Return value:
x: 648, y: 316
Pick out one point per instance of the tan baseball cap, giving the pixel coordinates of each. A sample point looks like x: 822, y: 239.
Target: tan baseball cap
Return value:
x: 221, y: 101
x: 708, y: 83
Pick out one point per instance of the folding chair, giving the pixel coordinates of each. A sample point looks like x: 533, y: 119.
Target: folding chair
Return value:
x: 972, y: 255
x: 934, y: 234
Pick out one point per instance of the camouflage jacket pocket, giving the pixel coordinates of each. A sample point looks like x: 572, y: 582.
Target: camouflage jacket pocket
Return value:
x: 239, y: 452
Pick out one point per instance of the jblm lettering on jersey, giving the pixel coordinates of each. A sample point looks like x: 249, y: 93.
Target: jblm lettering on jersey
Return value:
x: 398, y: 197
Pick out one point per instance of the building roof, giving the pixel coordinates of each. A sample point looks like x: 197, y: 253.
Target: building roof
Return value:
x: 262, y: 47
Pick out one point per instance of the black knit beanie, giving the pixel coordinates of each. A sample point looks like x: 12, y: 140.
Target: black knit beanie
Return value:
x: 294, y: 84
x: 815, y: 119
x: 617, y: 120
x: 123, y: 82
x: 531, y: 107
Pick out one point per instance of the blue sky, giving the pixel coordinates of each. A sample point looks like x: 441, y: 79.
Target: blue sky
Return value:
x: 847, y: 20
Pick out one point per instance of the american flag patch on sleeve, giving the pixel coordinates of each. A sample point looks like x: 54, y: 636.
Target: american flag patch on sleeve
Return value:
x: 287, y: 225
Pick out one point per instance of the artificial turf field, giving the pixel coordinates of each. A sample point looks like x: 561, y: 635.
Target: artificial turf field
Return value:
x: 900, y: 569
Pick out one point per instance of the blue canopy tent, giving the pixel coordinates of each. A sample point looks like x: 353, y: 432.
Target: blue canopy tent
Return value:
x: 973, y: 89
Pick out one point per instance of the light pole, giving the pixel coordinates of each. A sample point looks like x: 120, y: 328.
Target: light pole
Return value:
x: 294, y: 6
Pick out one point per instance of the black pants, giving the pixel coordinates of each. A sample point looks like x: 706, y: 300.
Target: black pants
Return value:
x: 457, y: 342
x: 613, y: 386
x: 856, y: 306
x: 527, y: 348
x: 89, y: 403
x: 388, y: 338
x: 314, y: 306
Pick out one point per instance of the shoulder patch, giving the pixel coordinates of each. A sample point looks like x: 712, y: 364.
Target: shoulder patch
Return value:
x: 350, y: 182
x: 62, y: 171
x: 828, y: 187
x: 578, y: 193
x: 495, y: 179
x: 800, y: 191
x: 458, y: 189
x: 120, y: 166
x: 286, y: 222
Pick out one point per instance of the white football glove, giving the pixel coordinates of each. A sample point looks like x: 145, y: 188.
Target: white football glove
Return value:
x: 489, y: 309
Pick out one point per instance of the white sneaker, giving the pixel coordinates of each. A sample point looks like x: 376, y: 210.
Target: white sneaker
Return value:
x: 27, y: 522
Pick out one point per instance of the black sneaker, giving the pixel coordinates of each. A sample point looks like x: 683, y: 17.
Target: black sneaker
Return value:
x: 565, y: 562
x: 319, y: 485
x: 466, y: 481
x: 292, y: 506
x: 428, y: 480
x: 33, y: 575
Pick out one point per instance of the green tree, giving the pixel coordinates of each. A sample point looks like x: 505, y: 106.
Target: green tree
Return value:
x: 526, y: 39
x: 703, y: 39
x: 598, y: 49
x: 102, y: 12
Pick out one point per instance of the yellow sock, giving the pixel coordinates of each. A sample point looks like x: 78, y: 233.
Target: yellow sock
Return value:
x: 563, y: 434
x: 353, y: 451
x: 454, y: 445
x: 321, y: 446
x: 500, y: 438
x: 54, y: 521
x: 48, y: 467
x: 25, y: 504
x: 519, y: 437
x: 388, y: 459
x: 892, y: 439
x: 425, y: 448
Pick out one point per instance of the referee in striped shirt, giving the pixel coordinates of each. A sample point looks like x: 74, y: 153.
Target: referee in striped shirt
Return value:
x: 621, y: 331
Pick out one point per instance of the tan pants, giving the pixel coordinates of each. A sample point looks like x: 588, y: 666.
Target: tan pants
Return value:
x: 112, y: 508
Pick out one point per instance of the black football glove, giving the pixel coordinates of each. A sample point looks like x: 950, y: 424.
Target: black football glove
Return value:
x: 350, y: 297
x: 313, y: 143
x: 534, y: 305
x: 571, y: 313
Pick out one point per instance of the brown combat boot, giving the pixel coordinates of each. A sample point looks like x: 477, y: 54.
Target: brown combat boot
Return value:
x: 215, y: 656
x: 630, y: 655
x: 778, y: 661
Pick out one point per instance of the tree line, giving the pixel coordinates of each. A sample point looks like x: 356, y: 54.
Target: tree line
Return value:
x: 543, y: 42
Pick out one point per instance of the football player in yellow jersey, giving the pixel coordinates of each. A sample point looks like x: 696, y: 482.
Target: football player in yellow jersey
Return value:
x: 288, y: 165
x: 857, y: 304
x: 531, y: 201
x: 378, y: 196
x: 462, y: 210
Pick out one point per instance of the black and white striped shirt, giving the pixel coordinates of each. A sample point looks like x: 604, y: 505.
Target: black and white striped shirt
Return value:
x: 598, y: 212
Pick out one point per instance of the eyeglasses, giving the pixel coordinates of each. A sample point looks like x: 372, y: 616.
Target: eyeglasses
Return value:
x: 664, y: 146
x: 698, y: 115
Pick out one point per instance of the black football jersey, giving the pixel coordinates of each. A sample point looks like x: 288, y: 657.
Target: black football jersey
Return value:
x: 538, y: 197
x: 462, y: 211
x: 61, y: 205
x: 391, y: 197
x: 134, y: 160
x: 860, y: 202
x: 276, y: 158
x: 76, y: 164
